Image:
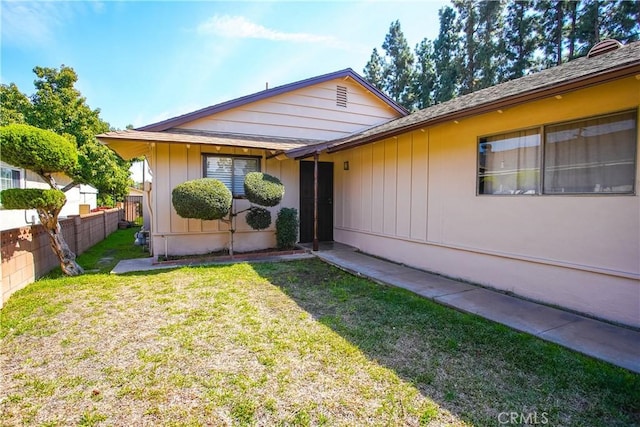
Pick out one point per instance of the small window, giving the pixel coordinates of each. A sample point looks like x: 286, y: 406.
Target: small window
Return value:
x: 231, y: 170
x: 509, y: 163
x: 591, y: 156
x: 9, y: 178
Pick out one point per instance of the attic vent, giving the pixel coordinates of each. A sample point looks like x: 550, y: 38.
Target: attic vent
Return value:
x: 603, y: 47
x: 341, y: 96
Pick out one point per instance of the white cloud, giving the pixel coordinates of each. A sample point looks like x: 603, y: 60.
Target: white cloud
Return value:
x: 31, y: 23
x: 240, y: 27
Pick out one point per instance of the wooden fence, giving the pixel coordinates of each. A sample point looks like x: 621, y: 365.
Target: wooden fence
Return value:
x: 26, y: 253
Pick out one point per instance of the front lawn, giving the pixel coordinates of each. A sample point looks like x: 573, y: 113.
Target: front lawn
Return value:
x: 290, y: 343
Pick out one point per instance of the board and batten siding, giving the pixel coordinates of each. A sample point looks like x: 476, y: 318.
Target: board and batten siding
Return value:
x: 174, y: 164
x: 308, y: 113
x: 412, y: 199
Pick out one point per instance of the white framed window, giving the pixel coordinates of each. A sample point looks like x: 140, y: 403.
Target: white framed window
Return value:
x: 9, y: 178
x: 231, y: 170
x: 588, y: 156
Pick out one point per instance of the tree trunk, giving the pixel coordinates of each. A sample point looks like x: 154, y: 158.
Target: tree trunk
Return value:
x: 67, y: 258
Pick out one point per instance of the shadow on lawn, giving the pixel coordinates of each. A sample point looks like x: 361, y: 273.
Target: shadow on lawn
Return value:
x: 474, y: 368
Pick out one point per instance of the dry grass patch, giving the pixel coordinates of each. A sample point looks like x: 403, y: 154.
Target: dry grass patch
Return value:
x: 295, y: 343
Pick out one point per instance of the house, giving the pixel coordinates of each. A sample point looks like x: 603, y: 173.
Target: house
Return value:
x: 530, y: 186
x: 13, y: 177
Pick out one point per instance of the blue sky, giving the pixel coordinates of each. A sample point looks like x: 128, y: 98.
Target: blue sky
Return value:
x: 142, y: 62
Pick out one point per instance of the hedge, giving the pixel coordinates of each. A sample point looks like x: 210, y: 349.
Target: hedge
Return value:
x: 263, y: 189
x: 32, y: 198
x: 287, y: 228
x: 258, y: 218
x: 37, y: 149
x: 204, y: 198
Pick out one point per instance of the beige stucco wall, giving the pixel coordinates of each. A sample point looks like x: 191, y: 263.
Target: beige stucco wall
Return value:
x: 413, y: 199
x: 174, y: 164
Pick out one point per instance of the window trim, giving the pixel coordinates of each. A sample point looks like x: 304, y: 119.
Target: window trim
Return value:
x: 233, y: 157
x: 542, y: 167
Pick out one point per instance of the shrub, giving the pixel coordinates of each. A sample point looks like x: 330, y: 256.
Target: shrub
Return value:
x: 204, y: 198
x: 32, y: 198
x: 258, y: 218
x: 263, y: 189
x: 287, y: 228
x: 37, y: 149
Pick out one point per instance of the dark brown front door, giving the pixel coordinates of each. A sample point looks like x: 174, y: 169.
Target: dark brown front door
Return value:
x: 325, y: 201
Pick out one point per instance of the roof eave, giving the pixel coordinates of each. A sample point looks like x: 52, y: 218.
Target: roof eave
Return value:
x: 605, y: 76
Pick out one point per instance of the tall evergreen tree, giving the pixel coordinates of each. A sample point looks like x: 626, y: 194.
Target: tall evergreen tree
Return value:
x: 520, y: 39
x: 490, y: 46
x: 624, y: 22
x: 468, y: 22
x: 551, y: 29
x: 589, y: 25
x: 374, y: 70
x: 424, y: 82
x: 445, y: 56
x: 398, y: 70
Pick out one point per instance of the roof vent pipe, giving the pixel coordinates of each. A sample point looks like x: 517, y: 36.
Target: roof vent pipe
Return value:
x: 603, y: 47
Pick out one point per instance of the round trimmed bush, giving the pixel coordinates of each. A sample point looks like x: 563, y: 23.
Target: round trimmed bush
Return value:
x: 258, y: 218
x: 263, y: 189
x: 204, y: 198
x: 39, y: 150
x: 32, y: 198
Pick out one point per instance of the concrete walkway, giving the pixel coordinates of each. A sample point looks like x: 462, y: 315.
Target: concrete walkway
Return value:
x: 614, y: 344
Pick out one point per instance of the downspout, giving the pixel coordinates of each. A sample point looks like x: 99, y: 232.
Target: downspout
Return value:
x: 315, y: 201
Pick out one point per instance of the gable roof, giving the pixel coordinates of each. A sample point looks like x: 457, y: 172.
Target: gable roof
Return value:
x: 268, y: 93
x: 579, y: 73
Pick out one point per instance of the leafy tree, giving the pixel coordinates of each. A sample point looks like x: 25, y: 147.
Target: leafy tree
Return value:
x: 520, y: 39
x: 445, y: 56
x: 425, y: 77
x: 58, y: 106
x: 45, y: 153
x: 398, y: 68
x: 13, y: 105
x: 374, y: 70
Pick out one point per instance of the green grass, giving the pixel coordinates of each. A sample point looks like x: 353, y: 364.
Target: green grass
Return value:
x: 291, y: 343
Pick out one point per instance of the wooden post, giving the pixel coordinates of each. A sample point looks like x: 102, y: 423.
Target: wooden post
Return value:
x: 315, y: 201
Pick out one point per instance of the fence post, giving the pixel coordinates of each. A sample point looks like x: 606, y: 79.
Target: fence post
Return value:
x: 104, y: 223
x: 77, y: 226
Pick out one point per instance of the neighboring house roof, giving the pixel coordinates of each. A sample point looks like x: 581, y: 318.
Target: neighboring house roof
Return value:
x: 579, y: 73
x: 346, y: 73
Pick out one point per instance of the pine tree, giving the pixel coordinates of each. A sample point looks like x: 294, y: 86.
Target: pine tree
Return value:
x: 624, y: 22
x: 374, y: 70
x: 425, y: 77
x: 551, y: 29
x: 398, y: 70
x: 520, y: 39
x: 468, y: 21
x: 445, y: 56
x: 490, y: 46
